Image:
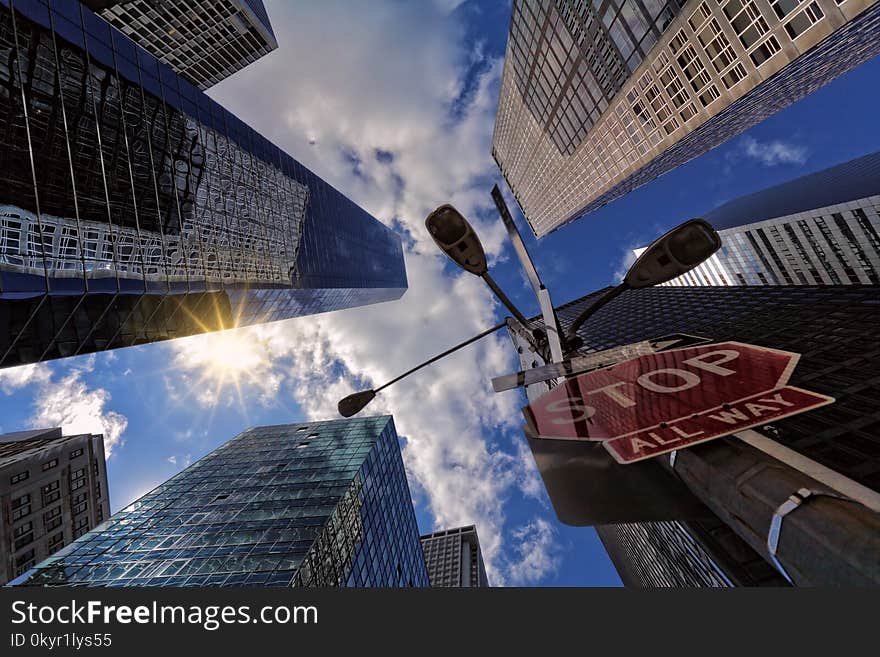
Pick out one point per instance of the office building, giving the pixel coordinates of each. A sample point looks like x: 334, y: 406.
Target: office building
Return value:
x: 691, y: 545
x: 203, y: 41
x: 821, y: 229
x: 313, y: 504
x: 53, y: 489
x: 133, y: 208
x: 600, y: 98
x: 454, y: 558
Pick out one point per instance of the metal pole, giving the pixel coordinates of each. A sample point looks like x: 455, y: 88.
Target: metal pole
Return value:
x: 503, y: 297
x: 443, y: 355
x: 813, y: 535
x: 551, y: 322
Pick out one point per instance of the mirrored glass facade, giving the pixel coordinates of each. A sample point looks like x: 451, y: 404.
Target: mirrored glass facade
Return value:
x: 315, y: 504
x: 589, y: 112
x: 828, y: 325
x: 821, y: 229
x: 134, y: 208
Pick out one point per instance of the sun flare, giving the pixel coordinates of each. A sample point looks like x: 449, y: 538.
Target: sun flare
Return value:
x: 225, y: 355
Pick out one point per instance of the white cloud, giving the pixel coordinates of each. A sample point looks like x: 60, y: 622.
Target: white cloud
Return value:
x: 172, y: 460
x: 536, y: 554
x: 772, y: 153
x: 391, y: 89
x: 68, y: 403
x: 15, y: 378
x: 76, y: 408
x: 400, y: 89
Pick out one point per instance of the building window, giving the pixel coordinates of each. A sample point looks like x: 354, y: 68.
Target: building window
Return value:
x: 80, y: 504
x: 48, y: 465
x: 27, y: 539
x: 24, y: 562
x: 21, y: 530
x: 76, y: 452
x: 784, y: 7
x: 21, y: 507
x: 765, y: 51
x: 78, y: 479
x: 50, y: 492
x: 21, y: 476
x: 80, y: 527
x: 23, y: 535
x: 55, y: 542
x: 811, y: 15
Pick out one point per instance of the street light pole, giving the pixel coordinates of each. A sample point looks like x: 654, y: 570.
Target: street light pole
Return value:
x: 551, y: 321
x: 355, y: 402
x: 458, y: 240
x: 670, y: 255
x: 679, y: 250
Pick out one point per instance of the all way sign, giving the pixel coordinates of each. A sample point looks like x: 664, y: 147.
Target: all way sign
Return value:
x: 722, y: 421
x: 672, y: 399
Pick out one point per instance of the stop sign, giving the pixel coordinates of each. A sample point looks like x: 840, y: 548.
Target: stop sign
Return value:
x: 656, y: 389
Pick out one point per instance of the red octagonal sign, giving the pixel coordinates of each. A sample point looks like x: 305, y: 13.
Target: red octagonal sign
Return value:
x: 658, y: 389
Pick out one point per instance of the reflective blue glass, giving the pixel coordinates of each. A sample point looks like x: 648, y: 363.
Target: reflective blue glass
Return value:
x: 150, y: 212
x: 316, y: 504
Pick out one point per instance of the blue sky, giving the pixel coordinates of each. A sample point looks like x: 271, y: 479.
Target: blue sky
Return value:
x: 399, y: 117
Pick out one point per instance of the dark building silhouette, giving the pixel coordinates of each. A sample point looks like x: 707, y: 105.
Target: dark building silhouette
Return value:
x: 834, y: 328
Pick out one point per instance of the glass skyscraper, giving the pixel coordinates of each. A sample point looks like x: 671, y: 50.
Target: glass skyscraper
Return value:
x: 133, y: 208
x: 313, y: 504
x: 820, y: 229
x: 598, y: 98
x: 828, y: 325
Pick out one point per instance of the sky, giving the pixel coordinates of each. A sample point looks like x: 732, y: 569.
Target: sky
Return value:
x: 393, y: 103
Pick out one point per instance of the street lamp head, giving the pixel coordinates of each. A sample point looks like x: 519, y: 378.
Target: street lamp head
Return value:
x: 355, y: 402
x: 457, y: 239
x: 673, y: 254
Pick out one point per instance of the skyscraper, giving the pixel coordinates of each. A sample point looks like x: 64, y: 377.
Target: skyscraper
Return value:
x: 133, y: 208
x: 454, y: 558
x: 205, y: 41
x: 827, y: 325
x: 820, y: 229
x: 312, y: 504
x: 600, y: 98
x: 53, y: 489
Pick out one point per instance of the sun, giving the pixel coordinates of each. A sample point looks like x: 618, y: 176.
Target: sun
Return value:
x: 224, y: 356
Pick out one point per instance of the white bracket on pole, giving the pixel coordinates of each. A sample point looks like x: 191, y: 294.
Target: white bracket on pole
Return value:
x: 824, y: 475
